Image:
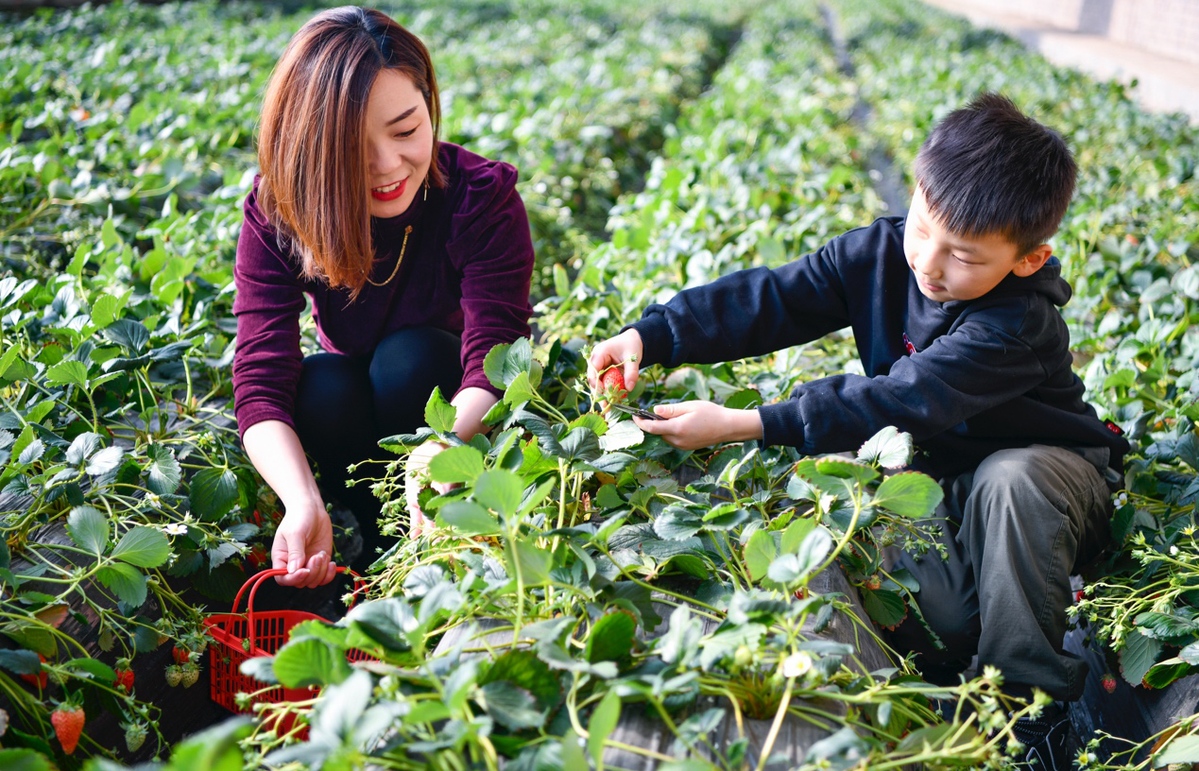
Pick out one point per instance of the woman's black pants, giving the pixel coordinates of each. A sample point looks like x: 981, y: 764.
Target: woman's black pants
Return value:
x: 345, y: 405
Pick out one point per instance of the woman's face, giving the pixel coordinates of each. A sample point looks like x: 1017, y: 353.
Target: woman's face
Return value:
x: 399, y: 140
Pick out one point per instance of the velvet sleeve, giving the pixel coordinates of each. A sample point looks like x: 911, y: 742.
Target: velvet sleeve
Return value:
x: 268, y: 302
x: 492, y: 249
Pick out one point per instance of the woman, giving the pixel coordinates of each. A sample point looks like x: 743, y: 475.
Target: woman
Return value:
x: 416, y: 255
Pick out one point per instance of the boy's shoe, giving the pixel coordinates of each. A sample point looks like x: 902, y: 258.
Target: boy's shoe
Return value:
x: 1050, y: 742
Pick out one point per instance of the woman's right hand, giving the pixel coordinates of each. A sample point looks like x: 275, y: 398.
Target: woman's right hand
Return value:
x: 625, y: 349
x: 303, y: 545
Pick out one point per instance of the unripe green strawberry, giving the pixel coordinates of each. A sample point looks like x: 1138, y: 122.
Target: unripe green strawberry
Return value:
x: 68, y: 722
x: 190, y: 674
x: 174, y: 675
x: 135, y: 736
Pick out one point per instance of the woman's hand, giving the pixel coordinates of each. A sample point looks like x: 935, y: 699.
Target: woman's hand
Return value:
x: 303, y: 544
x: 624, y: 349
x: 416, y: 474
x: 692, y: 425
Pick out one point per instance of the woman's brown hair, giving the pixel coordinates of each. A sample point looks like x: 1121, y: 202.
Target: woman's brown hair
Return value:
x: 310, y: 150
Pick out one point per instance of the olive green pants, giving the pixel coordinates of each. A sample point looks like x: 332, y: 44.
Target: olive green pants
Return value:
x: 1016, y: 529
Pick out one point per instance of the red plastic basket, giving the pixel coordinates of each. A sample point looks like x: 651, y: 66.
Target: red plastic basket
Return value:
x: 265, y: 632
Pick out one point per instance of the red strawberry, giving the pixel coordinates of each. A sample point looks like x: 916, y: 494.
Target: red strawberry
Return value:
x: 68, y: 722
x: 612, y: 382
x: 1109, y: 682
x: 182, y: 654
x: 125, y: 679
x: 1078, y: 596
x: 40, y: 679
x: 258, y: 556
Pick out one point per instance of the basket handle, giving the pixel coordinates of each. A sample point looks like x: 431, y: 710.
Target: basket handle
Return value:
x: 256, y: 581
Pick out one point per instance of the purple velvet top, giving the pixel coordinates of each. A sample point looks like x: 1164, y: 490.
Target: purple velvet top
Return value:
x: 466, y: 269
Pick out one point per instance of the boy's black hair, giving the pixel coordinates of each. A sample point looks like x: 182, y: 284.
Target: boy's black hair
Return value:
x: 989, y: 169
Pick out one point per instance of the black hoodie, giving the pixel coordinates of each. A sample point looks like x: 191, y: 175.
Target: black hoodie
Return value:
x: 964, y: 378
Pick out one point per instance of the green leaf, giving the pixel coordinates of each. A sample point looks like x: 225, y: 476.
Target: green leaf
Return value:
x: 143, y: 547
x: 760, y: 551
x: 385, y: 623
x: 97, y: 669
x: 24, y: 760
x: 1164, y: 626
x: 581, y: 443
x: 105, y: 310
x: 125, y: 581
x: 796, y: 533
x: 68, y: 372
x: 1181, y: 749
x: 456, y: 465
x: 511, y: 706
x: 130, y: 335
x: 885, y: 607
x: 519, y: 391
x: 310, y: 661
x: 164, y: 472
x: 677, y: 523
x: 1137, y: 656
x: 524, y: 669
x: 104, y: 461
x: 909, y: 494
x: 31, y: 452
x: 214, y: 749
x: 82, y: 447
x: 213, y: 493
x: 1165, y: 672
x: 846, y: 469
x: 1190, y: 654
x: 440, y: 414
x: 534, y: 563
x: 889, y: 448
x: 21, y: 662
x: 505, y: 362
x: 602, y: 724
x: 499, y: 490
x: 469, y: 518
x: 88, y: 528
x: 612, y: 638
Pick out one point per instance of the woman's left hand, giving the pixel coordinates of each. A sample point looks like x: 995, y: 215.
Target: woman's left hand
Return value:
x: 416, y: 474
x: 693, y: 425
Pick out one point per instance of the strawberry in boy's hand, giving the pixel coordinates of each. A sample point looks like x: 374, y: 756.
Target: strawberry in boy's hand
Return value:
x: 612, y: 383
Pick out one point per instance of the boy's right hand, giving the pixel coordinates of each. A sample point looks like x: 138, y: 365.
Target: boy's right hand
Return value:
x: 625, y: 349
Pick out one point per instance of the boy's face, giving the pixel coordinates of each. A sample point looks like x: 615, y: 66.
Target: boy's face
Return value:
x: 948, y: 267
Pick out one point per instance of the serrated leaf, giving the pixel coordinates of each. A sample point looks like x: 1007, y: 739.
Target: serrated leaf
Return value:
x: 760, y: 551
x: 885, y: 608
x: 677, y: 523
x: 21, y: 662
x: 846, y: 469
x: 524, y: 669
x: 581, y: 443
x: 1180, y: 750
x: 125, y: 581
x: 602, y: 724
x: 469, y: 518
x: 88, y: 528
x: 909, y: 494
x: 456, y: 465
x: 795, y: 534
x: 612, y: 638
x: 499, y: 490
x: 82, y: 447
x: 440, y: 414
x: 889, y: 448
x: 31, y: 452
x: 164, y: 473
x: 519, y: 391
x: 1165, y: 672
x: 534, y: 563
x: 104, y: 461
x: 105, y: 310
x: 68, y: 372
x: 1190, y: 654
x: 1137, y: 656
x: 143, y: 547
x: 213, y: 493
x: 129, y: 334
x: 310, y: 661
x: 621, y: 435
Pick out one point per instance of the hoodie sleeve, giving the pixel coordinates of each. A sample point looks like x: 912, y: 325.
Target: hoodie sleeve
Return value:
x: 978, y: 366
x: 748, y: 313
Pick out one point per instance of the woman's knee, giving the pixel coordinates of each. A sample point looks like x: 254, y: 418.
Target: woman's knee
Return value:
x: 332, y: 398
x: 406, y: 367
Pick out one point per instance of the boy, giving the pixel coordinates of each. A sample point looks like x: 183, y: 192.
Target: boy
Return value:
x: 954, y: 313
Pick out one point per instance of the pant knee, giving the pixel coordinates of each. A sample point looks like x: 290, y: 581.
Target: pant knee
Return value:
x: 405, y: 369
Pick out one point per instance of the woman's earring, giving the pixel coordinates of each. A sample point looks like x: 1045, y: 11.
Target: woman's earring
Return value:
x: 426, y: 188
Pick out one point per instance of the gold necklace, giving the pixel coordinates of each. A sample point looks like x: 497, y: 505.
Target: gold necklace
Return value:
x: 399, y: 260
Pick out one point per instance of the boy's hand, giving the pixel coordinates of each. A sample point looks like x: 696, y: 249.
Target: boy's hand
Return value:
x: 692, y: 425
x: 624, y: 349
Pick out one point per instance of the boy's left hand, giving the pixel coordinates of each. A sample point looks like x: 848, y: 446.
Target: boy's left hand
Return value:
x: 696, y: 424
